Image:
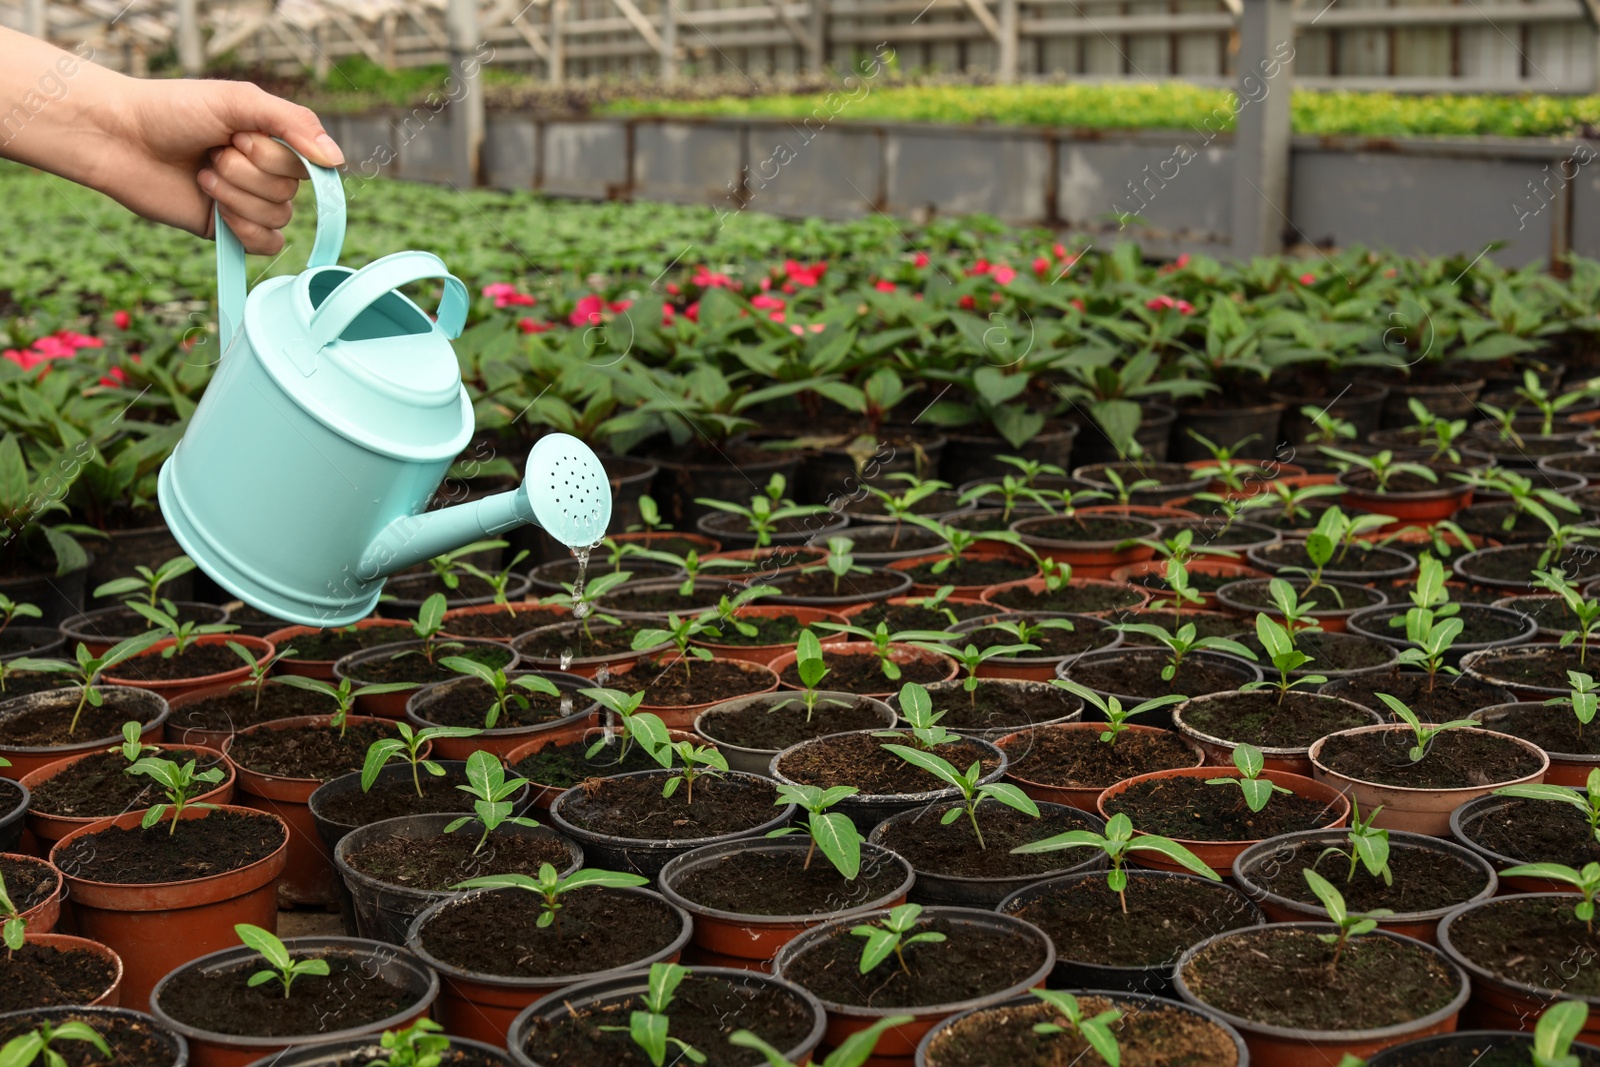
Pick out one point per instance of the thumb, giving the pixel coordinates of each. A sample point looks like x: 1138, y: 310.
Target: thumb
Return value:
x: 250, y: 109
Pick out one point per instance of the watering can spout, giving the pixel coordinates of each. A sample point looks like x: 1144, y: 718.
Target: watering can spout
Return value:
x: 564, y: 489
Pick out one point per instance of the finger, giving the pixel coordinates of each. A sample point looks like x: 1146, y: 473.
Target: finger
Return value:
x: 249, y: 108
x: 241, y: 172
x: 270, y: 156
x: 257, y: 239
x: 271, y: 214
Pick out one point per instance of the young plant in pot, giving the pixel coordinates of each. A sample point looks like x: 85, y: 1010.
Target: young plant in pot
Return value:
x: 578, y: 644
x: 1420, y: 773
x: 382, y: 791
x: 677, y: 687
x: 501, y: 618
x: 1093, y: 545
x: 1557, y: 726
x: 769, y: 519
x: 877, y: 658
x: 853, y: 1051
x: 1427, y: 624
x: 994, y: 707
x: 1288, y: 508
x: 1406, y: 490
x: 1335, y: 549
x: 447, y: 576
x: 1521, y: 512
x: 630, y: 740
x: 43, y: 970
x: 1178, y: 662
x: 1072, y: 763
x: 971, y: 561
x: 1551, y: 1044
x: 1055, y: 635
x: 838, y: 580
x: 416, y: 662
x: 504, y: 709
x: 186, y: 656
x: 23, y: 640
x: 104, y: 627
x: 1508, y: 566
x: 1324, y: 988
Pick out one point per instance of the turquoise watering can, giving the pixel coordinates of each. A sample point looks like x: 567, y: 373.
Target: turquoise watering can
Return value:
x: 335, y: 412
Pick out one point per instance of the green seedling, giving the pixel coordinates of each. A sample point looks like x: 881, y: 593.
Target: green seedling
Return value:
x: 884, y: 644
x: 428, y: 625
x: 1094, y: 1030
x: 182, y: 634
x: 408, y: 747
x: 24, y: 1049
x: 916, y: 708
x: 504, y: 686
x: 11, y: 609
x: 1257, y: 791
x: 1439, y: 434
x: 1116, y: 843
x: 1369, y: 847
x: 422, y: 1044
x: 1587, y: 801
x: 1383, y: 467
x: 490, y: 789
x: 498, y: 581
x: 179, y: 783
x: 1025, y: 630
x: 1349, y: 925
x: 812, y: 668
x: 888, y: 935
x: 1116, y: 716
x: 838, y: 562
x: 550, y: 887
x: 972, y: 657
x: 650, y: 1028
x: 1586, y: 611
x: 344, y: 695
x: 1278, y: 641
x: 133, y: 746
x: 1183, y: 643
x: 1553, y: 1034
x: 830, y: 831
x: 1585, y: 881
x: 446, y: 565
x: 584, y: 602
x: 853, y: 1051
x: 1180, y: 591
x: 260, y: 669
x: 1584, y: 699
x: 13, y: 928
x: 645, y: 727
x: 680, y: 632
x: 695, y: 762
x: 765, y: 513
x: 147, y: 585
x: 87, y: 670
x: 1010, y: 490
x: 1123, y: 491
x: 973, y: 791
x: 281, y: 967
x: 1330, y: 542
x: 649, y: 517
x: 1422, y: 734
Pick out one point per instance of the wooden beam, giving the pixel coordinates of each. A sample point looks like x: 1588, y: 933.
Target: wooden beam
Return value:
x: 357, y: 35
x: 790, y: 23
x: 985, y: 17
x: 641, y: 25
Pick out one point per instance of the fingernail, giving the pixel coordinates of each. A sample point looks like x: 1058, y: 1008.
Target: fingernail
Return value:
x: 330, y: 151
x: 207, y: 179
x: 242, y: 141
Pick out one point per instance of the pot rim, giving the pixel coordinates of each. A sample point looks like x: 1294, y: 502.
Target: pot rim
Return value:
x: 1478, y: 972
x: 1205, y: 655
x: 265, y: 651
x: 1299, y: 1036
x: 1470, y: 661
x: 1086, y: 546
x: 1273, y: 752
x: 582, y: 661
x: 1087, y: 865
x: 67, y: 628
x: 342, y: 850
x: 51, y: 770
x: 174, y: 1040
x: 1235, y: 605
x: 393, y: 771
x: 1569, y: 757
x: 343, y: 665
x: 562, y: 680
x: 869, y: 800
x: 154, y: 723
x: 578, y: 833
x: 101, y: 825
x: 516, y: 590
x: 1340, y: 803
x: 347, y: 1046
x: 1397, y: 571
x: 371, y: 622
x: 1530, y: 627
x: 1101, y: 626
x: 1406, y: 790
x: 1097, y: 726
x: 1441, y: 491
x: 738, y: 703
x: 293, y: 722
x: 679, y: 864
x: 902, y: 587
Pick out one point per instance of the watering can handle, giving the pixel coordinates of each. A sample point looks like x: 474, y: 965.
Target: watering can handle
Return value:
x: 377, y: 279
x: 324, y: 251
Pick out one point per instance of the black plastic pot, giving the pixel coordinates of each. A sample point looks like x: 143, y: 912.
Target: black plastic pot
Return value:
x: 969, y: 456
x: 333, y: 832
x: 1449, y: 393
x: 910, y: 539
x: 759, y: 760
x: 1155, y: 496
x: 867, y: 810
x: 1584, y: 465
x: 1373, y: 623
x: 109, y: 625
x: 404, y: 594
x: 1346, y: 687
x: 1237, y: 537
x: 1155, y: 980
x: 14, y: 800
x: 502, y: 739
x: 1093, y: 446
x: 383, y: 911
x: 42, y: 642
x: 1051, y: 704
x: 57, y: 596
x: 934, y: 888
x: 104, y: 1021
x: 646, y: 856
x: 733, y: 533
x: 1111, y: 637
x: 1247, y: 672
x: 555, y: 575
x: 1359, y: 403
x: 703, y: 595
x: 121, y: 551
x: 1274, y: 558
x: 350, y: 666
x: 1226, y: 427
x: 679, y: 484
x: 624, y: 988
x: 847, y: 597
x: 1233, y: 597
x: 1579, y: 564
x: 834, y: 472
x: 938, y: 505
x: 357, y: 1051
x: 394, y: 965
x: 1466, y: 1048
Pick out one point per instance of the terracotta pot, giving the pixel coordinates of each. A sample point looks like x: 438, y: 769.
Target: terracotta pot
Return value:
x: 393, y: 705
x: 1500, y: 1003
x: 1035, y: 667
x: 1137, y: 597
x: 1255, y: 475
x: 157, y: 926
x: 1420, y: 811
x: 682, y: 716
x: 1467, y: 1046
x: 758, y: 760
x: 1281, y: 1046
x: 1425, y: 506
x: 308, y: 877
x: 152, y: 709
x: 1243, y: 669
x: 1328, y: 615
x: 502, y: 739
x: 1219, y: 855
x: 1214, y: 567
x: 49, y: 829
x: 981, y: 551
x: 353, y: 1050
x: 211, y: 1048
x: 1308, y: 844
x: 849, y: 594
x: 541, y: 795
x: 530, y: 614
x: 902, y: 1041
x: 323, y: 668
x: 1219, y: 751
x: 1175, y: 509
x: 43, y: 916
x: 764, y: 654
x: 901, y: 654
x: 112, y: 996
x: 739, y: 940
x: 95, y: 630
x: 1086, y: 798
x: 482, y: 1006
x: 1088, y: 559
x: 587, y: 666
x: 259, y: 647
x: 1484, y: 664
x: 647, y: 539
x: 1566, y: 768
x: 1465, y: 819
x: 853, y: 612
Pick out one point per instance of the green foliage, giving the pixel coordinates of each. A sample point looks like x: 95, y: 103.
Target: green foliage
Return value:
x: 490, y: 789
x: 1115, y: 844
x: 23, y: 1050
x: 281, y: 967
x: 550, y: 887
x: 888, y: 936
x: 1257, y: 790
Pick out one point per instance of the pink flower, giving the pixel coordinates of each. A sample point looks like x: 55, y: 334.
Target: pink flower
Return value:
x: 1061, y: 252
x: 797, y: 329
x: 1075, y: 302
x: 1041, y: 266
x: 1176, y: 265
x: 590, y: 310
x: 530, y: 326
x: 883, y: 285
x: 980, y: 267
x: 768, y: 302
x: 1308, y: 279
x: 1185, y: 308
x: 121, y: 320
x: 504, y: 294
x: 816, y: 327
x: 1002, y: 273
x: 776, y: 316
x: 921, y: 260
x: 692, y: 312
x: 114, y: 376
x: 668, y: 315
x: 967, y: 302
x: 1159, y: 303
x: 709, y: 279
x: 803, y: 276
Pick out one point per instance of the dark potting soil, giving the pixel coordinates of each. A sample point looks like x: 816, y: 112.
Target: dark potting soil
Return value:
x: 1191, y: 810
x: 1403, y: 482
x: 1089, y: 529
x: 971, y: 962
x: 769, y: 630
x: 581, y: 642
x: 634, y: 808
x: 1147, y: 1035
x: 450, y: 1057
x: 1488, y: 1051
x: 1424, y: 879
x: 663, y: 601
x: 238, y: 708
x: 1488, y: 520
x: 1480, y: 626
x: 1079, y: 759
x: 862, y: 761
x: 1554, y: 729
x: 15, y: 641
x: 997, y: 704
x: 1305, y: 518
x: 1086, y: 634
x: 952, y: 849
x: 1138, y: 673
x: 862, y: 672
x: 683, y: 682
x: 46, y: 726
x: 1204, y: 581
x: 440, y: 862
x: 1086, y: 599
x: 27, y: 883
x: 1463, y: 593
x: 135, y: 1041
x: 1261, y: 719
x: 392, y: 799
x: 1536, y: 831
x: 902, y: 538
x: 1537, y: 941
x: 1448, y: 698
x: 351, y: 995
x: 915, y: 617
x: 325, y: 646
x: 1356, y: 559
x: 21, y: 683
x: 1329, y: 652
x: 1254, y: 594
x: 1544, y: 668
x: 98, y: 786
x: 196, y: 661
x: 1282, y: 977
x: 467, y: 702
x: 594, y: 930
x: 122, y: 623
x: 1205, y: 625
x: 820, y: 584
x: 1517, y: 564
x: 415, y: 668
x: 780, y: 721
x: 220, y: 842
x: 1456, y: 759
x: 500, y: 625
x: 781, y: 883
x: 728, y: 522
x: 1165, y: 474
x: 306, y: 751
x: 705, y: 1010
x: 415, y: 588
x: 973, y: 572
x: 41, y: 976
x: 11, y: 797
x: 1165, y: 916
x: 1546, y: 609
x: 564, y: 766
